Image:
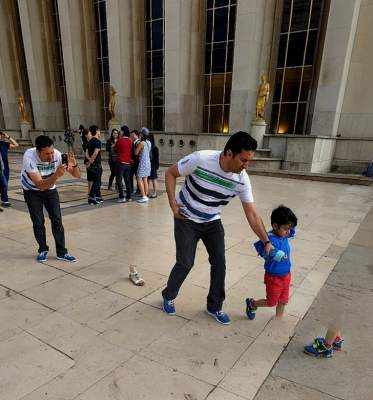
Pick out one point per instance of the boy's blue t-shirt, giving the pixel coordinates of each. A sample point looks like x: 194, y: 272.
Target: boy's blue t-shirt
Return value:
x: 276, y: 268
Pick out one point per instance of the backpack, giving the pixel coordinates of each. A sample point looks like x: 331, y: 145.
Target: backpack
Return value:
x: 369, y: 171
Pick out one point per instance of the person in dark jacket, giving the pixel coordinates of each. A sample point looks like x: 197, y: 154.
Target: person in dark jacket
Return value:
x: 154, y: 163
x: 114, y: 136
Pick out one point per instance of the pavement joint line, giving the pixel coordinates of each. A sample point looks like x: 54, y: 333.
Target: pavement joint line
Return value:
x: 309, y: 387
x: 48, y: 344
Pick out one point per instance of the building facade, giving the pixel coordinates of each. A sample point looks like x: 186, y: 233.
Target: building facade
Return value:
x: 192, y: 67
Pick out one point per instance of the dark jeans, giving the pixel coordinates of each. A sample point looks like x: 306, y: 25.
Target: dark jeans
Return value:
x: 112, y: 165
x: 187, y: 235
x: 50, y: 200
x: 123, y: 172
x: 94, y: 176
x: 3, y: 187
x: 133, y: 174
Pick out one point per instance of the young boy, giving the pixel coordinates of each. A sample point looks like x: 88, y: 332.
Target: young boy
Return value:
x: 277, y: 263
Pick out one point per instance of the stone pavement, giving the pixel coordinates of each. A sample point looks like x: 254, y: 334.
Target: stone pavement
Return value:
x: 83, y: 331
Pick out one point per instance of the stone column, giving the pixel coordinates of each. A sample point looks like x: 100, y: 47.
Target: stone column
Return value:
x: 40, y: 53
x: 78, y: 39
x: 336, y: 57
x: 125, y: 22
x: 184, y: 50
x: 253, y: 36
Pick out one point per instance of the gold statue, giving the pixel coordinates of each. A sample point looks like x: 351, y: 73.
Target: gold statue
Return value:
x: 262, y: 98
x: 22, y: 108
x: 112, y: 103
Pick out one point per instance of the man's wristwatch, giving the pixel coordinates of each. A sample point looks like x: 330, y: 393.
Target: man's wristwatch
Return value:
x: 74, y: 166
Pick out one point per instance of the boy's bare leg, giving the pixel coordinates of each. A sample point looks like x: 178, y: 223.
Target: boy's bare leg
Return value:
x: 280, y: 310
x: 261, y: 303
x: 331, y: 334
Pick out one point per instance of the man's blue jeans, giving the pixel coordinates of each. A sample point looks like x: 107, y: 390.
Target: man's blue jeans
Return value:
x: 3, y: 187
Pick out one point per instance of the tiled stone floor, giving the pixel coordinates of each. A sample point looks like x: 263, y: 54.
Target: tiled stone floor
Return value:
x: 83, y: 331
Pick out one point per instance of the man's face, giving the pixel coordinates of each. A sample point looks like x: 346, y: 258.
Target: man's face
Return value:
x: 46, y: 154
x: 240, y: 161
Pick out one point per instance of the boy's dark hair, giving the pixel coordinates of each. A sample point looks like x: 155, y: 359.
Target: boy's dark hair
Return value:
x: 93, y: 129
x: 43, y: 141
x: 240, y: 141
x: 125, y: 130
x: 283, y: 216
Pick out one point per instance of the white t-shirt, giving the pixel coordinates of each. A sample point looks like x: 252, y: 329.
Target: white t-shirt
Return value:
x: 207, y: 188
x: 32, y: 163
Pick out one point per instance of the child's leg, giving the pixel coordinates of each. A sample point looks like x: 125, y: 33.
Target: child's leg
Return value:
x: 280, y: 310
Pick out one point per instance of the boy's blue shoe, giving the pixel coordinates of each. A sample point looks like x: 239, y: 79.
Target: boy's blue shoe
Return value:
x: 169, y: 307
x: 250, y: 309
x: 220, y: 316
x: 319, y: 349
x: 338, y: 344
x: 67, y: 257
x: 42, y: 256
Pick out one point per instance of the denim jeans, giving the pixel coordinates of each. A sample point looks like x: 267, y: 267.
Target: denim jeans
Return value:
x: 187, y: 235
x: 3, y: 187
x: 123, y: 171
x: 50, y: 200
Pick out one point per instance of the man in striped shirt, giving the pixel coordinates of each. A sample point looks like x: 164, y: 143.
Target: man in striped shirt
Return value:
x: 41, y: 168
x: 212, y: 180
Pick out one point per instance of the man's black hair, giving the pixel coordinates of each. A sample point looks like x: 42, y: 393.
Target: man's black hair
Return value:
x: 240, y: 141
x: 93, y: 129
x: 43, y: 141
x: 283, y: 216
x: 125, y: 130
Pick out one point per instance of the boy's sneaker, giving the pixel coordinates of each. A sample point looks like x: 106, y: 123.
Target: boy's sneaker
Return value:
x: 250, y: 309
x: 6, y: 204
x: 319, y: 349
x: 169, y: 306
x: 99, y: 199
x: 42, y: 256
x: 338, y: 344
x: 220, y: 316
x: 67, y: 257
x: 92, y: 201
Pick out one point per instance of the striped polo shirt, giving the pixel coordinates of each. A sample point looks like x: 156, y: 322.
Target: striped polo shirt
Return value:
x: 32, y: 164
x: 207, y: 188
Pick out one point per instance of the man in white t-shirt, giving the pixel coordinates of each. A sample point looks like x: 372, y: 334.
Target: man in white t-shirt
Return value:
x: 42, y: 166
x: 212, y: 179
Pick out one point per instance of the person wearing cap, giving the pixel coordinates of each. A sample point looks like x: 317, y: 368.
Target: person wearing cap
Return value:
x: 143, y: 171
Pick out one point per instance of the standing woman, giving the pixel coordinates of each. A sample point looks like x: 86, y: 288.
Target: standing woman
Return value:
x: 154, y: 162
x: 112, y: 155
x: 143, y: 171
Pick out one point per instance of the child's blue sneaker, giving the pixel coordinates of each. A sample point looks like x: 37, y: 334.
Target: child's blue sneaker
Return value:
x: 319, y: 349
x: 220, y: 316
x: 250, y: 308
x: 169, y: 307
x: 42, y: 257
x: 338, y: 344
x: 67, y: 257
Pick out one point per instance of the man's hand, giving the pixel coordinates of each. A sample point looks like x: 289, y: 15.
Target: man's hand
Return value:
x: 268, y: 247
x: 60, y: 171
x: 176, y: 210
x: 71, y: 160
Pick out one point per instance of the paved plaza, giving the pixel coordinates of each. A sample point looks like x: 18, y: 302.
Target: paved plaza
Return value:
x: 83, y: 331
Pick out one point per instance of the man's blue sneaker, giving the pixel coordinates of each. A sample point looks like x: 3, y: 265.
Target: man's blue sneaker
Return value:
x: 319, y: 349
x: 250, y: 308
x: 220, y: 316
x: 67, y: 257
x: 42, y: 256
x: 169, y: 306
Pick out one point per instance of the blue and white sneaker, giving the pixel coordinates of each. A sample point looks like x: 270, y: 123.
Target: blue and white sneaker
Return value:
x: 6, y: 204
x: 42, y: 257
x: 319, y: 349
x: 67, y: 257
x: 250, y: 308
x: 169, y: 306
x: 220, y: 316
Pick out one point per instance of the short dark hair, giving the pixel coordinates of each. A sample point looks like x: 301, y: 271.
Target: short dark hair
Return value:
x: 240, y: 141
x: 43, y: 141
x: 125, y: 130
x: 93, y: 129
x: 283, y: 216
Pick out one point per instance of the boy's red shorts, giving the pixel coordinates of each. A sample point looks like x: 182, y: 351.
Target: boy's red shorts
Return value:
x: 277, y: 288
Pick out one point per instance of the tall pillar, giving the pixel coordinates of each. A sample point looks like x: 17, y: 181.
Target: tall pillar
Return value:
x: 78, y: 37
x: 125, y: 22
x: 184, y: 46
x: 252, y: 47
x: 335, y: 63
x: 40, y: 53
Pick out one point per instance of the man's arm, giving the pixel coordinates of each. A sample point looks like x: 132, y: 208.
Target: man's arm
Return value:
x: 73, y: 167
x: 44, y: 184
x: 171, y: 174
x: 256, y: 224
x: 93, y: 156
x: 13, y: 143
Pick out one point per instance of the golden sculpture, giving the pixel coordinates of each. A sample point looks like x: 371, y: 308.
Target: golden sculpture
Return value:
x: 262, y: 98
x: 112, y: 103
x: 22, y: 108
